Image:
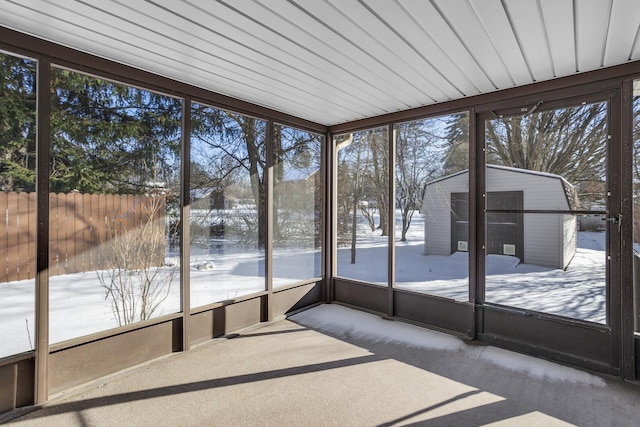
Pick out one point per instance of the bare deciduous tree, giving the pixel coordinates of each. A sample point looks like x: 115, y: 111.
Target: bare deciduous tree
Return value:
x: 419, y: 159
x: 570, y: 142
x: 134, y: 275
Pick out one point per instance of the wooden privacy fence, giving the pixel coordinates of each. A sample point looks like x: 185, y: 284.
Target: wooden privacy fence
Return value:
x: 82, y: 229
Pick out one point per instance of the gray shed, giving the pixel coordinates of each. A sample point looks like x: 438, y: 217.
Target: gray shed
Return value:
x: 546, y: 239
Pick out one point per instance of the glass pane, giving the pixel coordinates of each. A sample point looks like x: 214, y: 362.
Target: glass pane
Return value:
x: 227, y: 221
x: 297, y: 206
x: 17, y: 204
x: 636, y: 203
x: 362, y: 205
x: 432, y: 207
x: 114, y: 205
x: 550, y: 260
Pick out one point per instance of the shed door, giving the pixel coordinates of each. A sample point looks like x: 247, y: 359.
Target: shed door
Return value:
x: 459, y: 222
x: 505, y: 228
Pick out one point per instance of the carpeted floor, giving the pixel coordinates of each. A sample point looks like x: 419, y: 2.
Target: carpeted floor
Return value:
x: 287, y: 374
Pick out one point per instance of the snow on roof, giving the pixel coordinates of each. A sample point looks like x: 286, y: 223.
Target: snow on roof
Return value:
x: 299, y: 174
x: 201, y: 193
x: 569, y: 190
x: 528, y: 171
x: 506, y: 168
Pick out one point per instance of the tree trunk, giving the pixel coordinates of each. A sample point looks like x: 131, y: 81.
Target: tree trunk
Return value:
x: 257, y: 181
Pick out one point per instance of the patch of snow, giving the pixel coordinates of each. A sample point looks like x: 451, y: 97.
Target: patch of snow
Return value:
x: 345, y: 322
x: 501, y: 264
x: 594, y: 240
x: 207, y: 265
x: 534, y: 367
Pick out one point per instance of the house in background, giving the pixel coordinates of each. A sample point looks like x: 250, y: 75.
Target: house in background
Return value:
x: 546, y: 239
x: 299, y: 187
x: 210, y: 198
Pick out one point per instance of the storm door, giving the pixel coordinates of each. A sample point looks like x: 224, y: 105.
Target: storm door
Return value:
x: 547, y: 224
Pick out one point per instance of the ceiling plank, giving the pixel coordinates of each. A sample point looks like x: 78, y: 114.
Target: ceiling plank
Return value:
x: 434, y: 24
x: 592, y: 27
x: 197, y: 44
x: 295, y: 26
x: 413, y: 39
x: 229, y: 33
x: 635, y: 54
x: 495, y: 21
x: 467, y: 26
x: 366, y: 31
x: 623, y: 29
x: 559, y: 23
x: 362, y: 64
x: 186, y: 60
x: 411, y: 29
x: 526, y: 19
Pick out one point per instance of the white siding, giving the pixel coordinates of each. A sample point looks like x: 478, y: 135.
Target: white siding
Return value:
x: 436, y: 208
x: 549, y: 239
x: 540, y: 191
x: 542, y: 239
x: 570, y: 239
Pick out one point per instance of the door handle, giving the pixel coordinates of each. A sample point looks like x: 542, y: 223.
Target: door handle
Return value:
x: 616, y: 219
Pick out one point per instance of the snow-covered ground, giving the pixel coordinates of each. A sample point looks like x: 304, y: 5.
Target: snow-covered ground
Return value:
x: 578, y: 292
x: 78, y: 306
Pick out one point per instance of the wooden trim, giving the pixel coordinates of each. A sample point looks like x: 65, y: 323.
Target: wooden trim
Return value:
x: 268, y: 216
x: 444, y: 314
x: 326, y: 215
x: 361, y: 294
x: 43, y: 106
x: 331, y: 195
x: 614, y: 284
x: 477, y: 206
x: 286, y: 301
x: 98, y: 336
x: 629, y: 355
x: 391, y: 213
x: 566, y: 340
x: 471, y: 238
x: 208, y: 307
x: 185, y: 222
x: 14, y: 358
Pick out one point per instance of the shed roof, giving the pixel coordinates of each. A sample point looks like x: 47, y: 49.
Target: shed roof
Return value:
x: 568, y: 188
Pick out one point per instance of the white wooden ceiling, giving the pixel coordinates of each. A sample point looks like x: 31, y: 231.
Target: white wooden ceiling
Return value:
x: 333, y: 61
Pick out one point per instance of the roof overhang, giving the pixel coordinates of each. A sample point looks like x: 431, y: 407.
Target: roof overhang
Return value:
x: 337, y: 61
